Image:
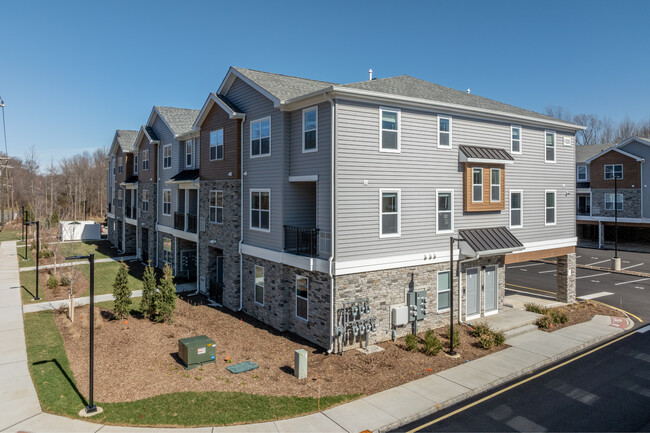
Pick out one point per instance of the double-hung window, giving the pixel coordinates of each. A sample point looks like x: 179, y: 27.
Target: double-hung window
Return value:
x: 550, y: 146
x: 310, y: 129
x: 260, y: 210
x: 188, y: 153
x: 167, y: 202
x: 261, y: 137
x: 135, y: 164
x: 613, y: 171
x: 216, y: 207
x: 167, y: 156
x: 444, y: 211
x: 302, y: 302
x: 550, y: 208
x: 495, y: 184
x: 145, y: 200
x: 119, y: 165
x: 167, y: 250
x: 390, y: 130
x: 259, y: 285
x: 444, y: 132
x: 581, y: 173
x: 515, y: 139
x: 145, y: 159
x: 609, y: 201
x: 389, y: 219
x: 444, y: 291
x: 477, y: 184
x: 516, y: 209
x: 216, y: 145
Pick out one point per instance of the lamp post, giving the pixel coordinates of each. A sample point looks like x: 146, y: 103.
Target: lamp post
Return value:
x: 38, y: 248
x: 22, y: 229
x: 91, y: 408
x: 616, y: 260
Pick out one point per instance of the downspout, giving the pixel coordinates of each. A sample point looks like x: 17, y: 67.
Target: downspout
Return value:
x: 158, y: 198
x: 332, y: 214
x: 241, y: 210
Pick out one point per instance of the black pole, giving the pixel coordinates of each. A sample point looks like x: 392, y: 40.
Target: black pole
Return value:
x: 26, y: 224
x: 91, y: 404
x: 22, y: 229
x: 452, y: 352
x: 38, y: 245
x: 615, y: 216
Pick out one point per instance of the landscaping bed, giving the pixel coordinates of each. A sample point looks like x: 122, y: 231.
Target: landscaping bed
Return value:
x: 572, y: 314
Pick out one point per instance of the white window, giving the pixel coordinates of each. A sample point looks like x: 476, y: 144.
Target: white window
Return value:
x: 477, y: 185
x: 216, y: 207
x: 550, y: 208
x: 135, y: 164
x: 515, y: 139
x: 259, y: 285
x: 613, y: 171
x: 495, y: 184
x: 261, y: 137
x: 167, y: 250
x: 260, y: 210
x: 609, y: 201
x: 444, y: 211
x: 167, y: 156
x: 302, y: 303
x: 581, y: 173
x: 310, y: 129
x: 188, y: 153
x: 145, y: 159
x: 444, y: 291
x: 389, y: 213
x: 444, y: 132
x: 389, y: 124
x: 167, y: 201
x: 216, y: 145
x: 145, y: 200
x: 119, y: 165
x: 113, y: 164
x: 550, y: 146
x: 516, y: 209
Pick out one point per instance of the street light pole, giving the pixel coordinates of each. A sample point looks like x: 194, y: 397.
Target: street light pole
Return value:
x: 616, y: 261
x: 38, y: 247
x: 22, y: 229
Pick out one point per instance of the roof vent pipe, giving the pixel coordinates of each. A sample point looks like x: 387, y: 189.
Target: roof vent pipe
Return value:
x: 370, y: 74
x: 468, y: 91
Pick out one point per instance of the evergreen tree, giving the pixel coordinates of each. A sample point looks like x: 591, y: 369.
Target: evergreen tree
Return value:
x: 122, y: 293
x: 166, y: 296
x: 148, y: 301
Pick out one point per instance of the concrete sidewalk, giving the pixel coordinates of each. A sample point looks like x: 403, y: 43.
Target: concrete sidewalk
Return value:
x: 81, y: 262
x: 20, y: 409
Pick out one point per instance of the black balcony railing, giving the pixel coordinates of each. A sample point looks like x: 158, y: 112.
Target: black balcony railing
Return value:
x: 179, y: 221
x: 216, y: 291
x: 130, y: 211
x: 584, y: 210
x: 109, y: 207
x: 191, y: 223
x: 301, y: 241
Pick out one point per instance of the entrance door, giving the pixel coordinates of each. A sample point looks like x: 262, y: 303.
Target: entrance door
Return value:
x: 491, y: 289
x: 473, y: 301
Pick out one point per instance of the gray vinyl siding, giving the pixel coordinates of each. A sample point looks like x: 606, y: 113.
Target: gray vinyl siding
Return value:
x: 642, y: 151
x: 422, y: 167
x: 262, y: 172
x: 164, y: 174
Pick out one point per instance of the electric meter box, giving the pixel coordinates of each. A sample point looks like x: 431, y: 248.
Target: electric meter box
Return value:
x: 196, y: 351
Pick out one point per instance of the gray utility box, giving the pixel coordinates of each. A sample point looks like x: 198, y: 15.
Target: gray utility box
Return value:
x: 417, y: 304
x: 195, y: 351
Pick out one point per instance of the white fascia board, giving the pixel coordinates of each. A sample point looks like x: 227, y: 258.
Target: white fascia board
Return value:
x: 129, y: 185
x: 207, y: 106
x: 131, y: 221
x: 230, y: 78
x: 193, y: 133
x: 192, y: 237
x: 305, y: 178
x: 301, y: 262
x: 583, y: 190
x: 110, y: 215
x: 144, y: 131
x: 114, y: 145
x: 464, y: 158
x: 631, y: 139
x: 611, y: 219
x: 615, y: 149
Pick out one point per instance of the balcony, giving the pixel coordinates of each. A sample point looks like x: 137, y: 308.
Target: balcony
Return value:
x: 216, y: 291
x: 301, y: 241
x: 191, y: 223
x: 130, y: 212
x: 584, y: 210
x: 179, y: 221
x: 185, y: 222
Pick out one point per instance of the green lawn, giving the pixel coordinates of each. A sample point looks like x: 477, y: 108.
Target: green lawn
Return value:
x: 28, y: 287
x: 10, y: 235
x: 66, y: 250
x: 58, y: 393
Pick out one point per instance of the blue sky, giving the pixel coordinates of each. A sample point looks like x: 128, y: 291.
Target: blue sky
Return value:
x: 73, y: 72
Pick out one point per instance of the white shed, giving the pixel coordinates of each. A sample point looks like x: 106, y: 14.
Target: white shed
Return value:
x: 79, y: 231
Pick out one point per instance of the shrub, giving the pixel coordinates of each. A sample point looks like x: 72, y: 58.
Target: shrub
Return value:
x: 432, y: 344
x: 122, y: 293
x: 499, y: 338
x: 411, y: 341
x: 558, y: 317
x: 486, y: 341
x: 44, y: 254
x: 535, y: 308
x: 544, y: 322
x: 65, y: 281
x: 148, y: 300
x: 52, y: 282
x: 165, y: 299
x: 482, y: 329
x: 456, y: 336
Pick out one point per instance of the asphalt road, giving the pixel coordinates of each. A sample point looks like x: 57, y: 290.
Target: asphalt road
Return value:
x: 606, y: 390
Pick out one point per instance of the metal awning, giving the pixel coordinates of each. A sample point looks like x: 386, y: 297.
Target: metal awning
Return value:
x: 185, y: 176
x: 491, y: 241
x: 130, y: 182
x: 485, y: 155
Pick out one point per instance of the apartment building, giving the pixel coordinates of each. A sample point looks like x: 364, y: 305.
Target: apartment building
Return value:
x: 121, y: 173
x: 146, y: 190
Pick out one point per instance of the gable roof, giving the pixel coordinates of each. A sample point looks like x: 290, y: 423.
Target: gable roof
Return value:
x: 178, y: 120
x: 145, y: 132
x: 484, y: 154
x: 586, y: 152
x: 615, y: 149
x: 629, y: 140
x: 125, y: 139
x: 223, y: 102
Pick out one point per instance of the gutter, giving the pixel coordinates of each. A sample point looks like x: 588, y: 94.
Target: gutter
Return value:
x: 332, y: 215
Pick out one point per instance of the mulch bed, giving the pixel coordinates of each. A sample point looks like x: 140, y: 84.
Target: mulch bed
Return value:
x: 583, y: 311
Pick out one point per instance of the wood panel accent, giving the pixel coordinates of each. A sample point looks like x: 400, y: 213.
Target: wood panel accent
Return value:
x: 216, y: 119
x: 486, y: 205
x: 631, y: 171
x: 537, y: 255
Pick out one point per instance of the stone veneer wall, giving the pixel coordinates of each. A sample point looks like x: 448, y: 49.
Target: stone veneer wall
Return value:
x: 148, y: 219
x: 566, y: 278
x: 279, y: 309
x: 112, y: 231
x: 631, y: 203
x: 130, y: 237
x: 161, y: 263
x: 223, y: 236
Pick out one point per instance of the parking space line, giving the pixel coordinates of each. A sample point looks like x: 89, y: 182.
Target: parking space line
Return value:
x: 595, y: 263
x: 546, y: 272
x: 525, y: 266
x: 595, y: 295
x: 593, y: 275
x: 632, y: 281
x: 634, y: 266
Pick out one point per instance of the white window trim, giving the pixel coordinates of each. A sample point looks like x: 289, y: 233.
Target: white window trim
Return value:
x: 216, y: 207
x: 250, y: 138
x: 250, y: 209
x: 119, y: 165
x: 476, y: 184
x: 554, y: 147
x: 171, y: 164
x: 170, y: 202
x: 613, y: 171
x: 399, y: 213
x: 521, y: 193
x: 135, y: 164
x: 438, y: 191
x: 578, y: 173
x: 399, y: 130
x: 216, y: 146
x: 306, y: 299
x: 520, y: 139
x: 613, y: 201
x: 554, y: 207
x: 442, y: 116
x: 190, y: 144
x: 145, y: 152
x: 492, y: 200
x: 305, y: 110
x: 255, y: 284
x: 444, y: 310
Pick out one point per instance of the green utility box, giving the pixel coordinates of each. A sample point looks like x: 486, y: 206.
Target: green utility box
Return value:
x: 196, y: 351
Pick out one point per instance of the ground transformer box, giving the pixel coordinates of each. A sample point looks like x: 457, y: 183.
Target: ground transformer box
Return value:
x: 196, y: 351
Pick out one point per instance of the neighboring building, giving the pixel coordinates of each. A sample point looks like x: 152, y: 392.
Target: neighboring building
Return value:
x: 120, y: 198
x: 146, y: 147
x: 596, y: 168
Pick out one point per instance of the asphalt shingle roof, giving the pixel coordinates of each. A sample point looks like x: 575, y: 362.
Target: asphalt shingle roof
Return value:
x: 126, y: 139
x: 185, y: 175
x: 180, y: 120
x: 586, y: 152
x: 283, y: 87
x: 150, y: 132
x: 228, y: 102
x: 486, y: 153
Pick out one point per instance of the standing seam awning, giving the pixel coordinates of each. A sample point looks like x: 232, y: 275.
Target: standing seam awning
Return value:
x: 490, y: 241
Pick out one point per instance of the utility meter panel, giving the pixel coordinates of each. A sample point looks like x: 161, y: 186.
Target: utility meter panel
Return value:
x: 417, y: 305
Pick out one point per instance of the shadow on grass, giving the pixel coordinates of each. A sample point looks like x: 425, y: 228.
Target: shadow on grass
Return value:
x: 68, y: 378
x: 30, y: 293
